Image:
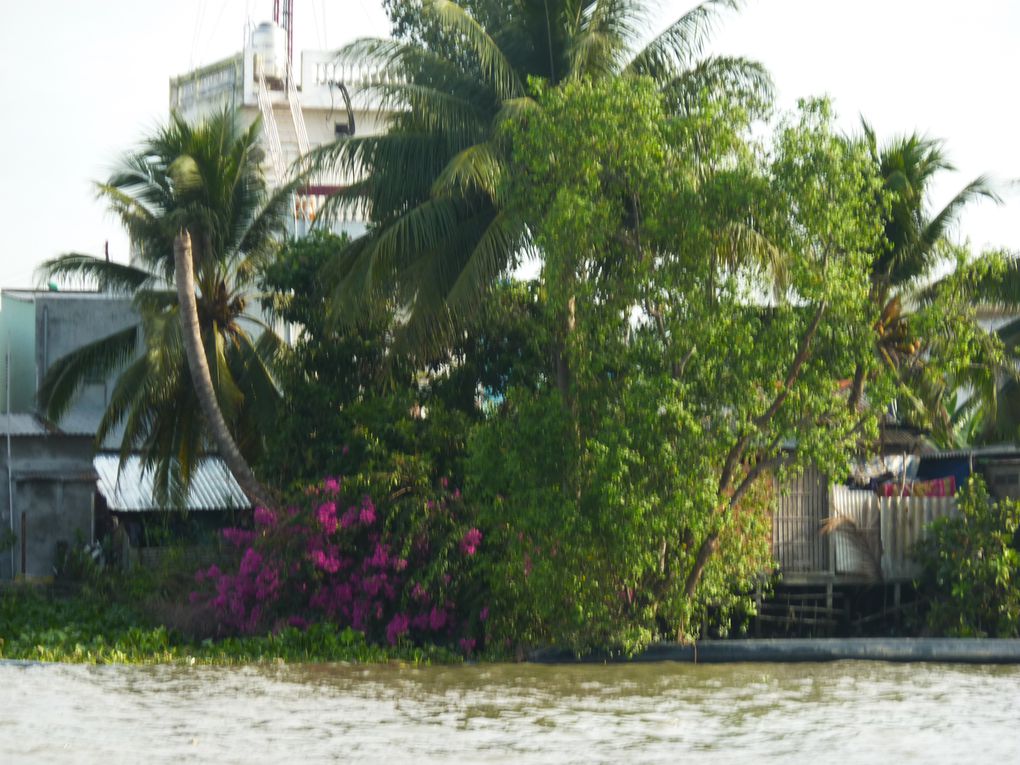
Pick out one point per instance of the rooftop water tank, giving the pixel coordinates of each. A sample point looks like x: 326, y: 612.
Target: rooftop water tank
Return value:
x: 269, y: 43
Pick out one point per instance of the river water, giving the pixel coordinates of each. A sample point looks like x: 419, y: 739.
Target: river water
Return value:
x: 843, y: 712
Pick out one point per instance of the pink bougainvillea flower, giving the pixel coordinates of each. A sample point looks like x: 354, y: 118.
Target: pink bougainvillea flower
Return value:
x: 367, y: 516
x: 251, y: 562
x: 467, y: 645
x: 398, y: 626
x: 326, y: 515
x: 265, y: 517
x: 437, y: 619
x: 349, y: 518
x: 327, y: 561
x: 381, y: 557
x: 483, y: 615
x: 469, y: 544
x: 332, y: 485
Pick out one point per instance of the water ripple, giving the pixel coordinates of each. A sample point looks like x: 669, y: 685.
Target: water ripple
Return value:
x: 846, y: 712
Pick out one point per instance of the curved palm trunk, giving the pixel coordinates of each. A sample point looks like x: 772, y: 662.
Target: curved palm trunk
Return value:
x: 184, y: 276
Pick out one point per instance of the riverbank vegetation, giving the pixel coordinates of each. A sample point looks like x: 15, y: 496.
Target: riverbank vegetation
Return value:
x: 971, y: 581
x: 87, y: 626
x: 463, y: 457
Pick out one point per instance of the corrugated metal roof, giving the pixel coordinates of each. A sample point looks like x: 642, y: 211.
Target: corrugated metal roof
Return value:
x: 1004, y: 450
x: 22, y: 425
x: 212, y: 485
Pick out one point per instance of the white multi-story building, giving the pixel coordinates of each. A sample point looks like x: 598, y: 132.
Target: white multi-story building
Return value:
x: 301, y: 108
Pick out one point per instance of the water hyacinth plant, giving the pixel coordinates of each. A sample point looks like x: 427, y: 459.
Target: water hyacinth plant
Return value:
x: 402, y: 569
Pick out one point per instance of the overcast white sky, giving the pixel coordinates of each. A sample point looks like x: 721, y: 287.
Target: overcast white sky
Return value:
x: 82, y: 81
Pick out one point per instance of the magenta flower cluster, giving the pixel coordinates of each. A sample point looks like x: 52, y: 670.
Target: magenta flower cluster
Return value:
x: 402, y: 570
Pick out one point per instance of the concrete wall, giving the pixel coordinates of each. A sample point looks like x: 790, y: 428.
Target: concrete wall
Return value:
x: 65, y: 322
x: 53, y: 486
x: 51, y: 476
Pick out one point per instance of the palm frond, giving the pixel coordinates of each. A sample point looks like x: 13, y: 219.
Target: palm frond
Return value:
x: 495, y: 68
x: 939, y: 224
x: 69, y: 374
x: 228, y: 393
x: 601, y: 36
x: 681, y: 43
x: 476, y: 168
x: 455, y: 115
x: 103, y: 274
x: 718, y: 78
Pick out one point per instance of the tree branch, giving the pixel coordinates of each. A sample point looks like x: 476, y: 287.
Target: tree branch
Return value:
x: 798, y: 363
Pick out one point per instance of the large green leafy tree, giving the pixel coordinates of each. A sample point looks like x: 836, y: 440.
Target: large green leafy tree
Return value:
x: 442, y: 231
x: 204, y: 178
x: 718, y: 300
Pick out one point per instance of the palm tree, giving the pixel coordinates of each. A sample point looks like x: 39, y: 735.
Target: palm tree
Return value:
x: 198, y: 364
x: 904, y: 278
x: 442, y: 233
x: 991, y: 413
x: 205, y: 178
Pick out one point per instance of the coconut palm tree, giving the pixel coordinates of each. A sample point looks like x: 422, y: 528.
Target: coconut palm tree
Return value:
x: 991, y: 413
x: 198, y: 364
x: 432, y: 184
x: 204, y: 178
x: 904, y: 279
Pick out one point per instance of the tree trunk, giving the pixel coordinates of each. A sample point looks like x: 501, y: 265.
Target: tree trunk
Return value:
x: 184, y: 275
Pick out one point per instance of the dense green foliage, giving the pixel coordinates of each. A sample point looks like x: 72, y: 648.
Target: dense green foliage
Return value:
x: 354, y: 405
x: 442, y: 233
x: 90, y: 629
x: 726, y: 297
x: 704, y: 300
x: 971, y: 579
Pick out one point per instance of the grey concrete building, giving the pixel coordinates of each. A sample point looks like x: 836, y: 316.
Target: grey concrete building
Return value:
x: 39, y: 327
x: 47, y: 496
x: 47, y: 478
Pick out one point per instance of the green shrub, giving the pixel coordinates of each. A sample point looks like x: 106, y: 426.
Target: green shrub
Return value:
x: 971, y: 579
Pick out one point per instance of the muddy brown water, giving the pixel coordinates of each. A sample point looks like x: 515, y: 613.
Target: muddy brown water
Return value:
x: 841, y: 712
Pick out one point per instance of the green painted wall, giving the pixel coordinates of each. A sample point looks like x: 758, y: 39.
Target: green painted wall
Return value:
x: 17, y: 335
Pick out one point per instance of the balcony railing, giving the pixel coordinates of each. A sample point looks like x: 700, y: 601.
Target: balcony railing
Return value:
x: 219, y: 82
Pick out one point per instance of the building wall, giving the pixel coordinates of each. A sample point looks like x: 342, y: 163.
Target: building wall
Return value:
x: 232, y: 83
x: 17, y: 345
x: 52, y: 483
x: 65, y: 322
